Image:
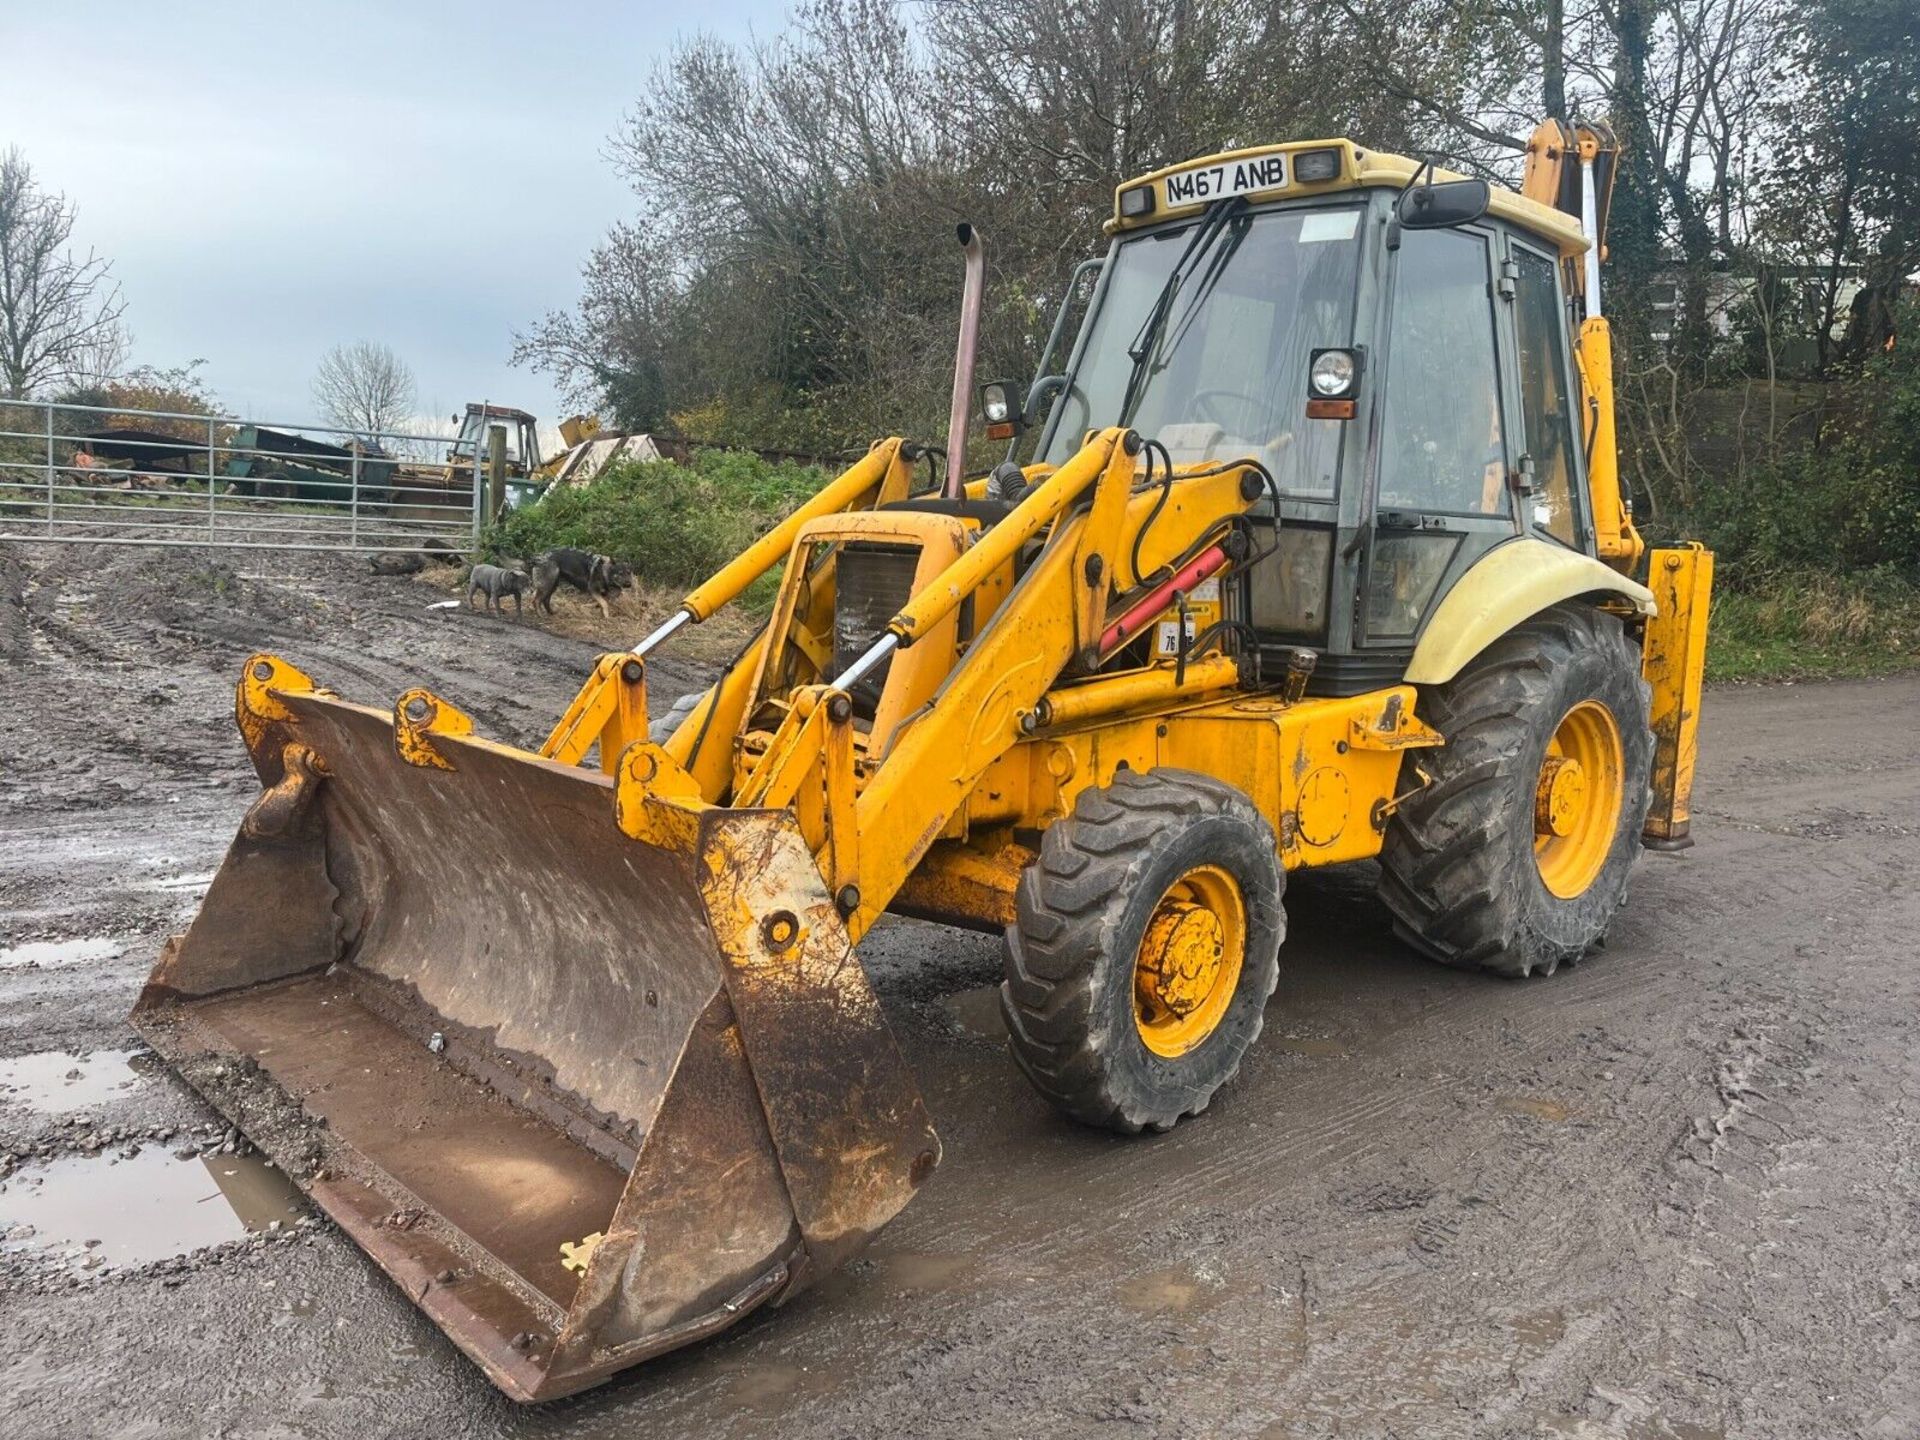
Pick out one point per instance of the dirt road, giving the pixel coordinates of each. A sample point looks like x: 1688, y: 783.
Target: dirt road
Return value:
x: 1673, y: 1193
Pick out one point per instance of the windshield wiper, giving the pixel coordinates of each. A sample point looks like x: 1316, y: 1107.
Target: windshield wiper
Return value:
x: 1147, y: 340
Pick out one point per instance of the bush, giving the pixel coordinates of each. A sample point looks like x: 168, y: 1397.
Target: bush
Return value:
x: 675, y: 524
x: 1850, y: 501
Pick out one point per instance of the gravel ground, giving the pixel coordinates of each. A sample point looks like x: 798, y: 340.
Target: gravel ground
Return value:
x: 1671, y: 1193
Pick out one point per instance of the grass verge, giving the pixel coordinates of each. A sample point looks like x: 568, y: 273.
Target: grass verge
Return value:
x: 1814, y: 627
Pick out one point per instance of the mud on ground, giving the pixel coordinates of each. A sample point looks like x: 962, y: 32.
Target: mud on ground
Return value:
x: 1672, y: 1193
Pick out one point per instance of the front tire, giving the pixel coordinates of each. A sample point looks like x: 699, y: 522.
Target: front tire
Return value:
x: 1516, y: 857
x: 661, y: 728
x: 1145, y: 944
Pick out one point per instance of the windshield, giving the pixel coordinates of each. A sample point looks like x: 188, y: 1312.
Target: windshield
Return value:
x: 1225, y: 374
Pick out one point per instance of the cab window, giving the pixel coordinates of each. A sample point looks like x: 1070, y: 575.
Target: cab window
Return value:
x: 1227, y: 374
x: 1444, y: 443
x: 1545, y: 410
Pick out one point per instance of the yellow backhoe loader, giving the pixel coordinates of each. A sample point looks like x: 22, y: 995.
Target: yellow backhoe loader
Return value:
x: 1320, y: 555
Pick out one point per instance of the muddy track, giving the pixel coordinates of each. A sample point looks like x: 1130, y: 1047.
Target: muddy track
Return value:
x: 1674, y: 1192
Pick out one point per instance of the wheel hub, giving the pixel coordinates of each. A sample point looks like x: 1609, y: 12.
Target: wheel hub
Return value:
x: 1577, y: 799
x: 1181, y: 956
x: 1561, y: 797
x: 1189, y: 961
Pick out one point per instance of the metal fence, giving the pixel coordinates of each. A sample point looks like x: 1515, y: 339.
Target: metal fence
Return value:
x: 83, y: 473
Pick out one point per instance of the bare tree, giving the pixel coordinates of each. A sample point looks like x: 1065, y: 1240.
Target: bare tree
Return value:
x: 59, y: 311
x: 364, y: 389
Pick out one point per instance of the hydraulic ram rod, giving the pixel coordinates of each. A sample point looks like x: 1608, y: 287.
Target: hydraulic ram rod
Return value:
x: 1203, y: 567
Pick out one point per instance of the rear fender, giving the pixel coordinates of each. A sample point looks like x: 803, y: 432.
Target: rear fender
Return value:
x: 1507, y: 586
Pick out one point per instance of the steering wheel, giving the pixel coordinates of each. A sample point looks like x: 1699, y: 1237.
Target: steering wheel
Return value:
x: 1204, y: 405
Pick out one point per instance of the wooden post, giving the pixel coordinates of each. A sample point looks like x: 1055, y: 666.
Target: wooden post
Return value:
x: 496, y: 470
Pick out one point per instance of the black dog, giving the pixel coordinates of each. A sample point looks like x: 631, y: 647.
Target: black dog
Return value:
x: 596, y: 576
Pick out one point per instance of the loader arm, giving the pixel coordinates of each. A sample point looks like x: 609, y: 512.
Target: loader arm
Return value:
x: 868, y: 839
x: 1054, y: 613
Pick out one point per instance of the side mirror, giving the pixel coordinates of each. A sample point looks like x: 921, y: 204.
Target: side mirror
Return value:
x: 1443, y: 205
x: 1003, y: 407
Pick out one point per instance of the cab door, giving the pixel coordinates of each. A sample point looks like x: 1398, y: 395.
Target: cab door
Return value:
x: 1446, y: 446
x: 1554, y: 502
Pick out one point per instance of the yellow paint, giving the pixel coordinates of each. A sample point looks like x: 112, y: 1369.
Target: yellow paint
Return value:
x: 1156, y: 686
x: 418, y: 716
x: 1674, y: 658
x: 967, y: 883
x: 803, y: 612
x: 1615, y: 537
x: 1190, y: 959
x: 654, y: 800
x: 936, y: 759
x: 1577, y: 799
x: 576, y: 1255
x: 1509, y: 584
x: 610, y: 710
x: 1360, y: 169
x: 256, y: 699
x: 1327, y: 798
x: 714, y: 722
x: 1548, y: 149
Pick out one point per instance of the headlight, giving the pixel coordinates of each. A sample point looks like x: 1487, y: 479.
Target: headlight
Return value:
x: 1312, y: 166
x: 1003, y: 407
x: 1333, y: 373
x: 1333, y: 379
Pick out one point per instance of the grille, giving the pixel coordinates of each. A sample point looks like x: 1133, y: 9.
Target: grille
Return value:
x: 872, y: 583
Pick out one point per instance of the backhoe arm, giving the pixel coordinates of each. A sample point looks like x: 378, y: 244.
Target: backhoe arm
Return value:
x: 1572, y: 169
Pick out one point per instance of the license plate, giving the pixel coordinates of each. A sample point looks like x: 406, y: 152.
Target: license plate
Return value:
x: 1227, y: 179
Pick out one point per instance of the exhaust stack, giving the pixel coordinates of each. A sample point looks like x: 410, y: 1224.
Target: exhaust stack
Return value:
x: 975, y: 246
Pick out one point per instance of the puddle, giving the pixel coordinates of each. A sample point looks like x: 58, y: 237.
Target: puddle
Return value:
x: 97, y: 1212
x: 293, y: 1312
x: 924, y: 1269
x: 51, y: 953
x: 1174, y: 1287
x: 58, y: 1082
x: 1552, y: 1110
x: 1310, y: 1045
x: 775, y: 1388
x: 761, y: 1385
x: 1540, y: 1331
x: 977, y: 1013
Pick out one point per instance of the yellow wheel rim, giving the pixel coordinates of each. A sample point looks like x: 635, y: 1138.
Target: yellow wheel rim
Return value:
x: 1189, y: 962
x: 1576, y: 806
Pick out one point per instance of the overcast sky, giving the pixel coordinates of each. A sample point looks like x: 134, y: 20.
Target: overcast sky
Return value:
x: 272, y: 179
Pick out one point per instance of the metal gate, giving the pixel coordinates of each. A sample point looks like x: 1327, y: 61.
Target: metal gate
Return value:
x: 82, y: 473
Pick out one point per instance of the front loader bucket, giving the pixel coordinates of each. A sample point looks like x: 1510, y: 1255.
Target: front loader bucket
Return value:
x: 585, y: 1097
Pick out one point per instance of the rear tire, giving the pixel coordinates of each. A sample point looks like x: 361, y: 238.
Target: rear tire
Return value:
x: 1473, y: 868
x: 1117, y: 881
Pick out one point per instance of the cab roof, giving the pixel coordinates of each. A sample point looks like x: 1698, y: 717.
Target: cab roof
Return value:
x: 1242, y: 172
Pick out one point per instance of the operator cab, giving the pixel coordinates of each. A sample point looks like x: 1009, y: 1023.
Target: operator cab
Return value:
x: 1393, y: 346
